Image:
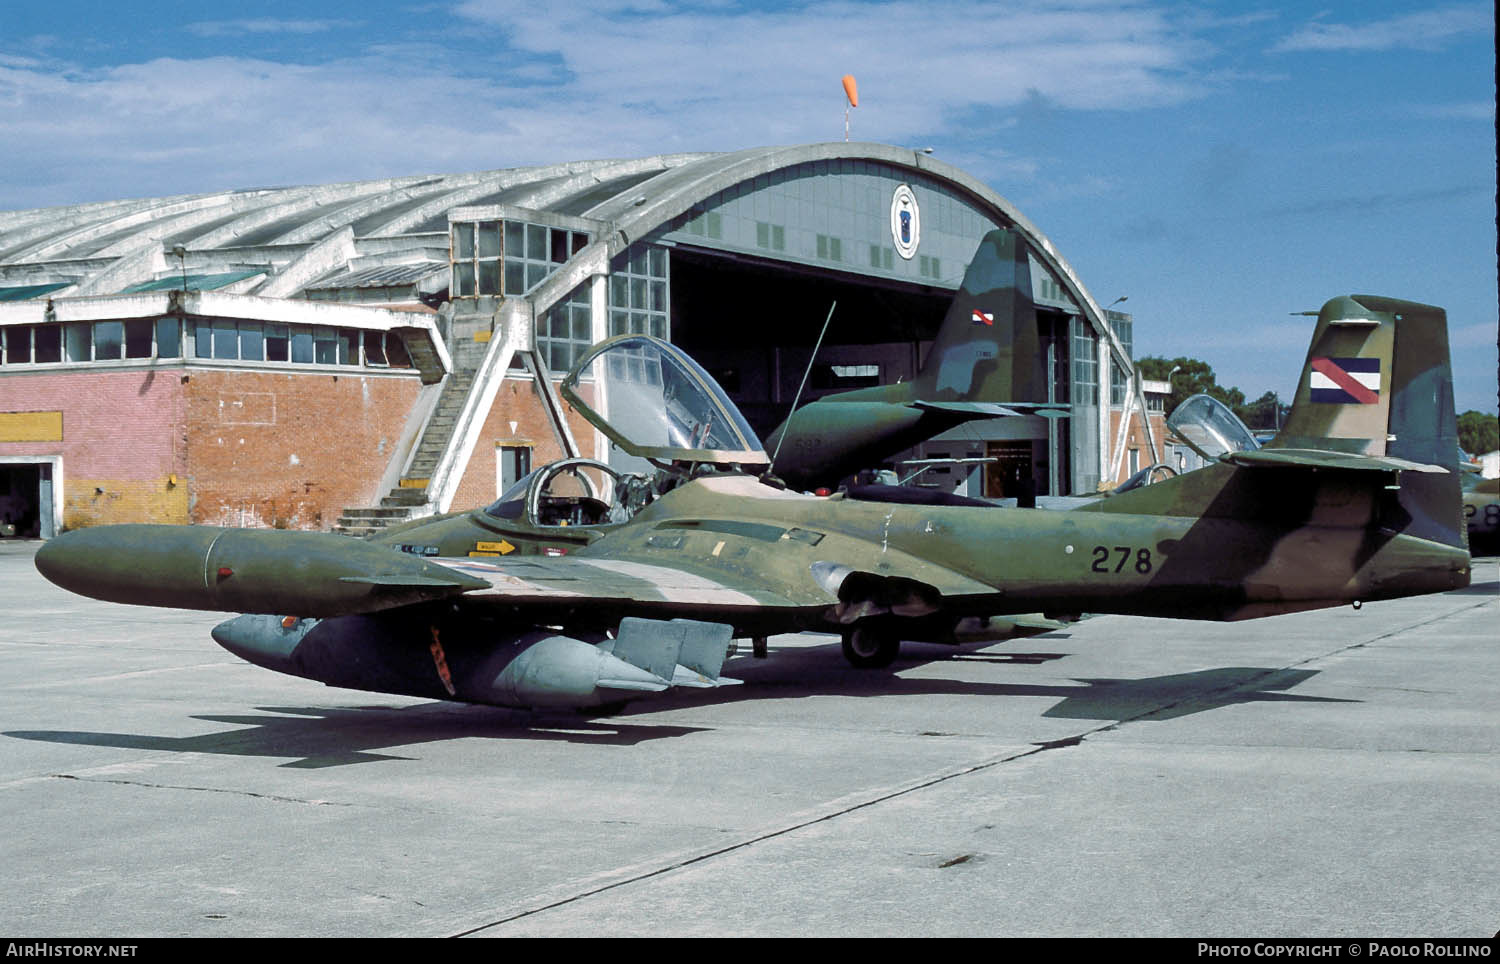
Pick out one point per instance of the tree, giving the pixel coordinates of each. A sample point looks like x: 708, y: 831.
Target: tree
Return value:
x: 1192, y: 378
x: 1266, y: 413
x: 1478, y: 433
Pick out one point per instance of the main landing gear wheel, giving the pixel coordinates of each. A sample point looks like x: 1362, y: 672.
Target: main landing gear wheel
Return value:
x: 866, y: 647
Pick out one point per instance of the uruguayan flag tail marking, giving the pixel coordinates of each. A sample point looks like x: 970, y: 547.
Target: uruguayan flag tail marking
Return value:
x: 1345, y: 381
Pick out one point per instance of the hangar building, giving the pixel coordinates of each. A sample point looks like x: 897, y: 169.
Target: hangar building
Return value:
x: 381, y: 349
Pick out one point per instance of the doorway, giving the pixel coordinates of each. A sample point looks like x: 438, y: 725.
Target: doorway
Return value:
x: 27, y: 509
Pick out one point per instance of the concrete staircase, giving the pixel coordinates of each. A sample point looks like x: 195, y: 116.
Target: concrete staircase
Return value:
x: 408, y: 500
x: 469, y: 344
x: 409, y: 497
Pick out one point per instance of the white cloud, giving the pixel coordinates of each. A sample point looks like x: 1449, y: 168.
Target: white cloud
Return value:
x: 1472, y: 110
x: 268, y: 25
x: 610, y: 78
x: 912, y: 58
x: 1477, y: 336
x: 1423, y: 30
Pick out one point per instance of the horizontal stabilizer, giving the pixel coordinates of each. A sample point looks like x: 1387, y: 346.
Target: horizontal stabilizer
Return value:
x: 967, y: 409
x: 1323, y: 459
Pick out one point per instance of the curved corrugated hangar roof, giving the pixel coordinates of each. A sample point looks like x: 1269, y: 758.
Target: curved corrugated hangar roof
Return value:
x: 284, y: 242
x: 475, y: 270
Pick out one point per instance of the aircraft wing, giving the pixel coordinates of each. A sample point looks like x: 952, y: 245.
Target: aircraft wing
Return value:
x: 1323, y: 459
x: 967, y: 409
x: 782, y: 581
x: 582, y: 581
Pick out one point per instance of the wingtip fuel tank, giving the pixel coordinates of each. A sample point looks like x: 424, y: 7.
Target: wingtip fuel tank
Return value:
x: 242, y: 570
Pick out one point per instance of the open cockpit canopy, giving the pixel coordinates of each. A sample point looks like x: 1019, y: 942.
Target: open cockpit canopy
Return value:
x: 1210, y: 427
x: 653, y: 401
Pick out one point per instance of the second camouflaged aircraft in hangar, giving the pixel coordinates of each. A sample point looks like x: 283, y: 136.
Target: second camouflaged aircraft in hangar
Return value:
x: 1357, y: 499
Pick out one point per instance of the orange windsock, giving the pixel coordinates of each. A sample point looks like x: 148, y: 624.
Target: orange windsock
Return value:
x: 851, y: 90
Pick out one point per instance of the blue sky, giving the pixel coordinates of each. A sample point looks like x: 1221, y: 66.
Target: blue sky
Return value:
x: 1221, y: 164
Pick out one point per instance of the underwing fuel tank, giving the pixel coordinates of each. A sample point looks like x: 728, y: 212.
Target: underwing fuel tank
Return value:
x: 535, y: 668
x: 242, y: 570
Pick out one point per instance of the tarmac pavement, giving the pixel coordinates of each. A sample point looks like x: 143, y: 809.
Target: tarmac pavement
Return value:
x: 1324, y: 774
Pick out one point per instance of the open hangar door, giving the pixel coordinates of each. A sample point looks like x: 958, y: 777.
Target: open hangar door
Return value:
x: 753, y: 324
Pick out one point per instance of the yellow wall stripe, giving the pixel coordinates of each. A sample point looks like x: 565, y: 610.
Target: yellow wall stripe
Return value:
x: 31, y: 426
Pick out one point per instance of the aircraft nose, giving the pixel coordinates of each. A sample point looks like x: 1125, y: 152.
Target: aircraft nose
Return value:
x: 62, y: 559
x: 263, y: 640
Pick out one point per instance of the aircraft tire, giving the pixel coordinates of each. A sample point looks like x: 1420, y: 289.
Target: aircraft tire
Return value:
x: 869, y: 647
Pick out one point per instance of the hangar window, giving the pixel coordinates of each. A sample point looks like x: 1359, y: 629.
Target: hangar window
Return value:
x: 252, y: 342
x: 375, y: 349
x: 48, y: 344
x: 841, y: 378
x: 770, y: 236
x: 335, y: 346
x: 227, y: 339
x: 76, y: 341
x: 1085, y: 363
x: 1124, y: 329
x: 168, y: 338
x: 706, y: 223
x: 278, y: 343
x: 507, y: 257
x: 17, y: 345
x: 109, y: 340
x: 302, y: 346
x: 476, y: 258
x: 385, y: 349
x: 138, y: 338
x: 639, y: 292
x: 83, y: 342
x: 565, y: 331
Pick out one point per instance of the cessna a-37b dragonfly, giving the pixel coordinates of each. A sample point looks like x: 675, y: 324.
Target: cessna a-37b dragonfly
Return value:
x: 1357, y: 499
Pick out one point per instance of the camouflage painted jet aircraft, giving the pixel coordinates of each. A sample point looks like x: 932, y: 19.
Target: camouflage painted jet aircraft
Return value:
x: 986, y: 362
x: 1357, y: 499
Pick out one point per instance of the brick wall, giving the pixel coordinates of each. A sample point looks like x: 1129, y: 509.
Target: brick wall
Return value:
x: 289, y: 450
x: 1135, y: 438
x: 121, y: 445
x: 517, y: 401
x: 222, y: 447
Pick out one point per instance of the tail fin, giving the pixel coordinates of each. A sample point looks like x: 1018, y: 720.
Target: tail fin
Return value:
x: 1378, y: 383
x: 1375, y: 399
x: 987, y: 349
